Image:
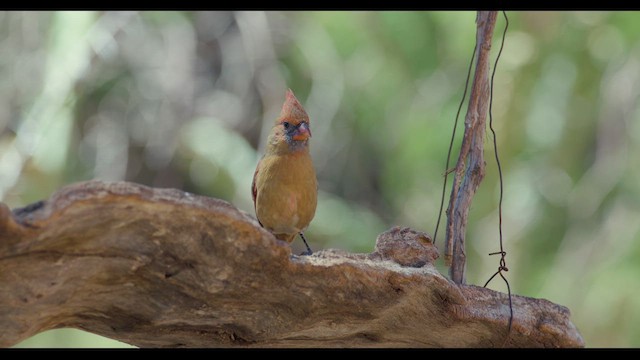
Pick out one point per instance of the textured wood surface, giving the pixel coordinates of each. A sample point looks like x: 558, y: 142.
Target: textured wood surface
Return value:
x: 470, y: 168
x: 165, y: 268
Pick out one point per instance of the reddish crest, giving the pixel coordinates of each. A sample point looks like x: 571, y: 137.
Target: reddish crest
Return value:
x: 292, y: 110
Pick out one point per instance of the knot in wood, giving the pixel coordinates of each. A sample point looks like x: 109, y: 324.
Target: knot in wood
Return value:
x: 406, y: 247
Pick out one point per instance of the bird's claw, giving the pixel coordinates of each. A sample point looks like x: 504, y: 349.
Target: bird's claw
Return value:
x: 306, y: 253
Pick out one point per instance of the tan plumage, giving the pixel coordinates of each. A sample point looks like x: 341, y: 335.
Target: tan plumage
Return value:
x: 284, y: 186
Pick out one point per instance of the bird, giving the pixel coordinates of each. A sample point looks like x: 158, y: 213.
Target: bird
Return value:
x: 285, y: 187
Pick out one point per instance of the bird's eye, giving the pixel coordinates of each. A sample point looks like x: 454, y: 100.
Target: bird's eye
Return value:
x: 286, y: 125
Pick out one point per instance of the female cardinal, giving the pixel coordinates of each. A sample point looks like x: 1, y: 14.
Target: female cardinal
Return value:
x: 285, y: 189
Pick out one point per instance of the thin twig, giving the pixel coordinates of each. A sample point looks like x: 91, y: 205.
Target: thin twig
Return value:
x: 470, y: 165
x: 503, y: 263
x: 448, y: 171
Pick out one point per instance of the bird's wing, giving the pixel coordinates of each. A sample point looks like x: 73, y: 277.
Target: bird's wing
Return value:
x: 254, y: 189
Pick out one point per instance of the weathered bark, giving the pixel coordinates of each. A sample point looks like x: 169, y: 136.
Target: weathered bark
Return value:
x: 469, y: 170
x: 161, y: 267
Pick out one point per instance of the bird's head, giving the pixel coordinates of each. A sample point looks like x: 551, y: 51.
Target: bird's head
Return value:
x: 292, y: 126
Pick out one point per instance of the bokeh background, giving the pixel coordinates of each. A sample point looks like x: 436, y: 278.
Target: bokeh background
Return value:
x: 186, y: 99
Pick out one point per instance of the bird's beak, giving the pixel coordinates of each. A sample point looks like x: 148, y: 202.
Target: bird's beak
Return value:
x: 302, y: 132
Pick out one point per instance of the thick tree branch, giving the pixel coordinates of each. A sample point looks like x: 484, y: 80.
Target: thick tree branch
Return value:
x: 469, y: 170
x: 161, y: 267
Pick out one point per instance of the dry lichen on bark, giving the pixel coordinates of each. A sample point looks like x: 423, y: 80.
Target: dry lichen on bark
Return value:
x: 162, y: 267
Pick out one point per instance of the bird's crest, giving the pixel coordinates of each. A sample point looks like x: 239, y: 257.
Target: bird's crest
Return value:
x: 292, y: 110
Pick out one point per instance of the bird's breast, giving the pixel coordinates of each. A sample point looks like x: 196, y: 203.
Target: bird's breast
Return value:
x: 286, y: 192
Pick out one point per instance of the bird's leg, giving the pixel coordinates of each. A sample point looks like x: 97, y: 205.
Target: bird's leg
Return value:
x: 308, y: 252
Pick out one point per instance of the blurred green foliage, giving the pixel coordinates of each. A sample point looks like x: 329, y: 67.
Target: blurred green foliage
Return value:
x: 185, y: 100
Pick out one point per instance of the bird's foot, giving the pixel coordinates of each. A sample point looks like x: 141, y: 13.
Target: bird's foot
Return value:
x: 306, y: 253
